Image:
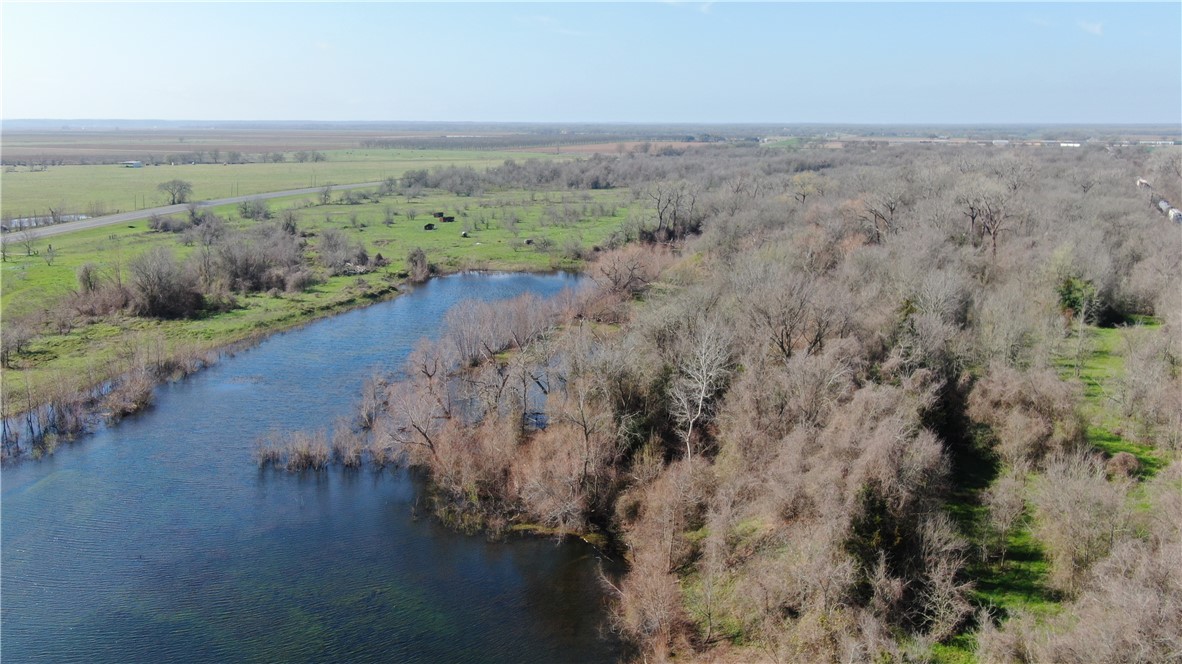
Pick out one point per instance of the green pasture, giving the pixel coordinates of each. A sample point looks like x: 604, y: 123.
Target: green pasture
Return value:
x: 561, y: 224
x: 106, y: 189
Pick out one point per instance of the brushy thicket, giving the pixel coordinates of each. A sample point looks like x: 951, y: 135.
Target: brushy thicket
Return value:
x: 267, y: 256
x: 769, y: 394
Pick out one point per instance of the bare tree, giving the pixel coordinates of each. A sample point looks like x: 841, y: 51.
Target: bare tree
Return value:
x: 703, y: 366
x: 1006, y: 502
x: 1079, y: 516
x: 675, y: 205
x: 807, y: 184
x: 178, y: 191
x: 28, y: 238
x: 89, y: 277
x: 996, y: 218
x: 879, y: 209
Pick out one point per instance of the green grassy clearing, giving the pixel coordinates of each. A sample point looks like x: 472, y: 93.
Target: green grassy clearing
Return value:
x: 107, y: 189
x: 1018, y: 582
x: 1099, y: 368
x: 563, y: 224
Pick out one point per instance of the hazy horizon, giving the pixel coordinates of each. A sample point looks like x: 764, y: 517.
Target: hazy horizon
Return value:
x: 645, y: 63
x: 588, y: 123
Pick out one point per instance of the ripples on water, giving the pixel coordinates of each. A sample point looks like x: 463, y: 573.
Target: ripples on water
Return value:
x: 159, y: 540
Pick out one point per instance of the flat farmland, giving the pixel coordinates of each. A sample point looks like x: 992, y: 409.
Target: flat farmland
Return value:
x: 70, y: 146
x: 110, y: 188
x: 620, y: 147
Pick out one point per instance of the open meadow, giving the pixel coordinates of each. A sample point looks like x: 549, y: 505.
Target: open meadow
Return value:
x: 95, y: 190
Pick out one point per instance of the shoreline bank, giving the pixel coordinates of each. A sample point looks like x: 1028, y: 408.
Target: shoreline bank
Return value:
x: 73, y: 413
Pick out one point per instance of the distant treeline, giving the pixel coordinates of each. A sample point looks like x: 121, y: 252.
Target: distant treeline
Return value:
x: 501, y: 142
x: 214, y: 156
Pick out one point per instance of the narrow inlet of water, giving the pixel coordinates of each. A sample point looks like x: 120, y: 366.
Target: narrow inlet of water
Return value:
x: 158, y: 539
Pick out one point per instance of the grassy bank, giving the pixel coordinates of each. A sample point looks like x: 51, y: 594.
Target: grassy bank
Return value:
x: 562, y: 229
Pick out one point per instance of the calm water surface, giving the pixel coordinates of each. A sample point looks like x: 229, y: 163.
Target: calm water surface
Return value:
x: 159, y: 540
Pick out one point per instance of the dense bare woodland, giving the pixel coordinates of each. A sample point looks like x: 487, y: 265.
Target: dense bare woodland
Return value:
x: 816, y: 399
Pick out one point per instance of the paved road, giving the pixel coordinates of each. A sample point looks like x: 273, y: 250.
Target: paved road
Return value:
x: 71, y: 226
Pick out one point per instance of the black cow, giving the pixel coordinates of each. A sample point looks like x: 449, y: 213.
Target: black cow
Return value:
x: 429, y: 227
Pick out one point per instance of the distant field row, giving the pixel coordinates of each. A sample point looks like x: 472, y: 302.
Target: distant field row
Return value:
x: 106, y: 189
x: 112, y: 144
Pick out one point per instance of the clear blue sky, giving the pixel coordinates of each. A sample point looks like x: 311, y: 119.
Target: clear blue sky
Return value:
x: 659, y: 62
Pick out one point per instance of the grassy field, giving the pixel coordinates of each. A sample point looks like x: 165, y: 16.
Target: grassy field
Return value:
x: 562, y: 226
x: 106, y: 189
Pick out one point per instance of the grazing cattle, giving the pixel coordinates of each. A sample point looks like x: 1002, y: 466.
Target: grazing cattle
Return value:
x: 448, y: 220
x: 429, y: 227
x: 464, y: 234
x: 1175, y: 215
x: 1142, y: 182
x: 437, y: 215
x: 529, y: 241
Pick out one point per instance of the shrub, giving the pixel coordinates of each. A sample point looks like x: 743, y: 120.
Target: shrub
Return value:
x: 1032, y: 414
x: 337, y: 253
x: 417, y: 266
x: 160, y: 287
x: 1079, y: 516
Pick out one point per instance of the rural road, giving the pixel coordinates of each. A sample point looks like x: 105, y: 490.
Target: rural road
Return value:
x: 71, y: 226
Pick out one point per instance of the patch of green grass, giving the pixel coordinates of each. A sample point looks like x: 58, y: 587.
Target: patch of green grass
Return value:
x: 1150, y: 459
x: 1098, y: 367
x: 1019, y: 581
x: 708, y: 611
x: 960, y: 649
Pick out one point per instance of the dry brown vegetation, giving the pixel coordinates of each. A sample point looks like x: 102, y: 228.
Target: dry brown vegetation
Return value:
x: 785, y: 398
